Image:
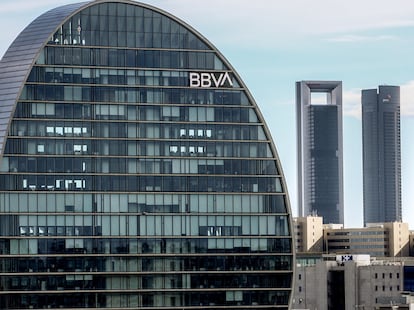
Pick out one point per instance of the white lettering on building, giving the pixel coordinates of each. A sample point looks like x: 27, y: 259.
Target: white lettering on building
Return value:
x: 210, y: 79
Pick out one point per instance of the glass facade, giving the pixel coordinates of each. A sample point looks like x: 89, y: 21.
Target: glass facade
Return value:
x: 320, y: 150
x: 381, y: 146
x: 137, y: 172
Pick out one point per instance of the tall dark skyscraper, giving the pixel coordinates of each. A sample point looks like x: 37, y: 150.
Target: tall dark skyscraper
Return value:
x: 319, y: 145
x: 136, y: 170
x: 381, y: 154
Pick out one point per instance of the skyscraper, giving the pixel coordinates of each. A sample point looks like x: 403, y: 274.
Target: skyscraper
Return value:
x: 136, y: 170
x: 319, y: 147
x: 381, y: 154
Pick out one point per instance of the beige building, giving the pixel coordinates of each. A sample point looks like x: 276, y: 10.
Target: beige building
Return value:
x: 378, y: 240
x: 309, y: 234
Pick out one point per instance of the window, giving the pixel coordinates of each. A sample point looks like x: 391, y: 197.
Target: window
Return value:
x: 50, y: 130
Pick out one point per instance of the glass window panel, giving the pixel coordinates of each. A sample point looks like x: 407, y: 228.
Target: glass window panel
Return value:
x: 168, y: 225
x: 192, y: 114
x: 263, y: 226
x: 122, y: 225
x: 114, y: 202
x: 132, y: 226
x: 150, y: 221
x: 106, y: 225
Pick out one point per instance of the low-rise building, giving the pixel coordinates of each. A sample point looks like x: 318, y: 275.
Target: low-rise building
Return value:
x: 352, y: 282
x: 377, y: 239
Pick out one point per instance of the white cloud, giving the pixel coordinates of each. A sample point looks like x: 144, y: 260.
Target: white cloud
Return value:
x: 261, y: 23
x: 349, y: 38
x: 407, y: 98
x: 296, y: 16
x: 352, y: 101
x: 19, y: 6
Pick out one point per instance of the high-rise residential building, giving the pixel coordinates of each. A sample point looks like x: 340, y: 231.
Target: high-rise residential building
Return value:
x: 319, y: 149
x: 381, y: 154
x: 137, y: 171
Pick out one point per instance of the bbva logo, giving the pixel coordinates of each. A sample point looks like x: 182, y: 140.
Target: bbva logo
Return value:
x: 210, y: 79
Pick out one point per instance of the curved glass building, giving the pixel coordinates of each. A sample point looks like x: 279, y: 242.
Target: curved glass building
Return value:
x: 137, y: 171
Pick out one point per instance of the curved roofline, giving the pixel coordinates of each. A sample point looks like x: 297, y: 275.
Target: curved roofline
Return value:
x: 20, y: 57
x: 24, y: 51
x: 225, y: 61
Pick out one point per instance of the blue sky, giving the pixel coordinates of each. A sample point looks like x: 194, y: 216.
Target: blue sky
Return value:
x: 273, y: 44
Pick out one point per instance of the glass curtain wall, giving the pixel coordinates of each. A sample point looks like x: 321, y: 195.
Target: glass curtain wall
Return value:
x: 122, y: 186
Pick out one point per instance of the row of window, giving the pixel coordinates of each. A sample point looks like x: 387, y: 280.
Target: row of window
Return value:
x: 55, y: 54
x: 397, y: 275
x: 118, y: 264
x: 134, y: 203
x: 358, y: 240
x: 51, y: 164
x: 357, y: 233
x: 34, y: 246
x: 131, y: 77
x: 115, y: 147
x: 380, y: 246
x: 397, y: 287
x: 148, y: 224
x: 155, y: 282
x: 92, y: 93
x: 142, y: 112
x: 141, y: 183
x: 102, y: 129
x: 148, y: 300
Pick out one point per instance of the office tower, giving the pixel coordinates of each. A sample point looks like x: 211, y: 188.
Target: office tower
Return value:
x: 381, y: 154
x: 136, y: 170
x: 319, y: 150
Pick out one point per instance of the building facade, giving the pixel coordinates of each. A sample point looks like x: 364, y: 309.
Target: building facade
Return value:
x: 319, y: 149
x: 309, y: 234
x: 352, y: 282
x: 382, y: 239
x: 136, y: 170
x: 392, y: 239
x: 381, y: 154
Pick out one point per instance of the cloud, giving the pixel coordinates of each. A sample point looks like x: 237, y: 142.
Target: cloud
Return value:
x: 352, y: 101
x: 350, y: 38
x: 265, y: 23
x: 407, y: 98
x: 18, y: 6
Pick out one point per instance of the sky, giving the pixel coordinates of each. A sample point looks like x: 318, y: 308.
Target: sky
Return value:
x: 273, y: 44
